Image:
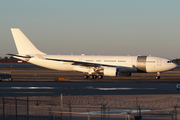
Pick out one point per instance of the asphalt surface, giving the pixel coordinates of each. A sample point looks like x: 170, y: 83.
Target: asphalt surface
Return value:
x: 137, y: 84
x: 85, y: 88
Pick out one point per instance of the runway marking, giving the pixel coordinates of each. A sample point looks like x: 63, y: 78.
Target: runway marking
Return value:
x: 99, y: 88
x: 32, y: 87
x: 28, y: 88
x: 124, y: 88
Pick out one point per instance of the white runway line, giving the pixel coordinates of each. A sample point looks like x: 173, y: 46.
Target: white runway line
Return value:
x: 119, y: 88
x: 28, y: 88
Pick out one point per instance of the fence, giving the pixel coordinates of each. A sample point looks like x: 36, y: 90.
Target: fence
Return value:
x: 84, y: 107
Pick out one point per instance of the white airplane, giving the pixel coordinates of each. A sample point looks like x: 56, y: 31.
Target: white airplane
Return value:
x: 93, y: 66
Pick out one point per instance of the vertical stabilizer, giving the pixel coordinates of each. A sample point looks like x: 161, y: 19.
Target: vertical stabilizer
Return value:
x: 23, y: 44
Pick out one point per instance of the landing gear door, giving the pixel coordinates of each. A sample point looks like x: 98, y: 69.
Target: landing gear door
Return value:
x: 159, y: 62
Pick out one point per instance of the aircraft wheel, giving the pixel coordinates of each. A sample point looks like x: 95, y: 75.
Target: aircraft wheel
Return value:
x: 95, y: 76
x: 158, y: 77
x: 85, y: 76
x: 91, y: 76
x: 100, y: 76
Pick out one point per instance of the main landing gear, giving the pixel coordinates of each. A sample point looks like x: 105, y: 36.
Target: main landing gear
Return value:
x: 158, y: 75
x: 93, y: 76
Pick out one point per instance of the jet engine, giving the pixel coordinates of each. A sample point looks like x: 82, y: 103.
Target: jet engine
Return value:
x: 111, y: 71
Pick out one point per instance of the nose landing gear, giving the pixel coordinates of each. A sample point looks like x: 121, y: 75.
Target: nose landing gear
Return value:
x: 158, y: 75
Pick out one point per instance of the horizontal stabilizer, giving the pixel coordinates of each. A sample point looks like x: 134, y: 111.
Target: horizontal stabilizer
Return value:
x: 26, y: 56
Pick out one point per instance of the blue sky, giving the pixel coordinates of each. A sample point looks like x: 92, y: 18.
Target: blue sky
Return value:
x: 94, y: 27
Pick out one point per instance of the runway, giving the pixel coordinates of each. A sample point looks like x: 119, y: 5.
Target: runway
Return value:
x: 41, y: 83
x: 85, y: 88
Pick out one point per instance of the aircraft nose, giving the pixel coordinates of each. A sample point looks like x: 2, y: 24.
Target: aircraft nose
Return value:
x: 174, y: 65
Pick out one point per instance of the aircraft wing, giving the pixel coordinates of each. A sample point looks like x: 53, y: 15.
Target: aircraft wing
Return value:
x: 86, y: 64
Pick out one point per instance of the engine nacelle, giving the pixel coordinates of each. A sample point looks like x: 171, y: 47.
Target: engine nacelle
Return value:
x: 111, y: 71
x: 126, y: 74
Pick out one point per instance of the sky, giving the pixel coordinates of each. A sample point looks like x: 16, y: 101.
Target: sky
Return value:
x: 94, y: 27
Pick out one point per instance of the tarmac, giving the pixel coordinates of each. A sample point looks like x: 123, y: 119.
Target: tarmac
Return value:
x: 85, y: 88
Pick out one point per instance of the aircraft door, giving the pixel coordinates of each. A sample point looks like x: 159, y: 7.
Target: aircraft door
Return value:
x: 158, y: 62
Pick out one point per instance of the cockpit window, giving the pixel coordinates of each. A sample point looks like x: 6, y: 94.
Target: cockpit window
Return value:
x: 169, y: 61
